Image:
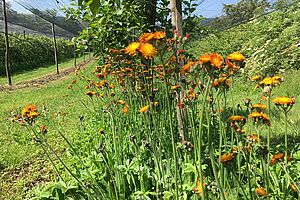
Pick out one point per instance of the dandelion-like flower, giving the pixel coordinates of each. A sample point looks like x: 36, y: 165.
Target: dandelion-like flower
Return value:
x: 284, y: 101
x: 148, y: 50
x: 216, y: 60
x: 144, y: 109
x: 146, y: 37
x: 205, y: 59
x: 159, y: 35
x: 236, y: 118
x: 226, y: 158
x: 261, y: 192
x: 236, y: 56
x: 131, y: 49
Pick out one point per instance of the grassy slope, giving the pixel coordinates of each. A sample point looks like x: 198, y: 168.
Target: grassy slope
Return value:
x: 17, y: 147
x: 271, y: 41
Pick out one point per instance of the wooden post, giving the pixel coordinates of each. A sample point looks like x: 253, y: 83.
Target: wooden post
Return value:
x: 55, y: 49
x: 176, y: 14
x: 7, y: 50
x: 75, y: 56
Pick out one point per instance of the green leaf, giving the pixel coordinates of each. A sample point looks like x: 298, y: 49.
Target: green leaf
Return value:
x: 94, y: 6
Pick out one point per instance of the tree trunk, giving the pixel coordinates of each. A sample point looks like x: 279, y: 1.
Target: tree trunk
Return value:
x: 55, y: 49
x: 7, y: 50
x: 176, y: 14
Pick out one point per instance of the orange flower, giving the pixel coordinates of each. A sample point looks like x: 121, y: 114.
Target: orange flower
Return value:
x: 144, y: 109
x: 236, y: 56
x: 259, y: 106
x: 216, y: 60
x: 276, y: 158
x: 145, y: 37
x: 159, y: 35
x: 261, y: 192
x: 236, y: 118
x: 284, y: 101
x: 175, y: 87
x: 148, y: 50
x: 186, y: 68
x: 131, y: 49
x: 294, y: 187
x: 253, y: 138
x: 90, y: 93
x: 125, y: 109
x: 28, y: 109
x: 226, y: 158
x: 205, y: 58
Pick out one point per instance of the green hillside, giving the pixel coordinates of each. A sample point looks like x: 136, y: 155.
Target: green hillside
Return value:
x: 271, y: 42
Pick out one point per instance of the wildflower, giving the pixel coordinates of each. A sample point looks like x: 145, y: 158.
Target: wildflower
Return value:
x: 226, y: 158
x: 294, y: 187
x: 121, y: 102
x: 255, y: 78
x: 284, y: 101
x: 199, y: 188
x: 148, y: 50
x: 216, y: 60
x: 259, y: 107
x: 205, y: 59
x: 236, y: 56
x: 159, y: 35
x: 261, y: 192
x: 90, y: 93
x: 125, y: 109
x: 224, y: 81
x: 276, y: 158
x: 236, y: 118
x: 29, y: 108
x: 175, y: 87
x: 253, y: 138
x: 256, y: 116
x: 276, y: 80
x: 131, y: 49
x: 144, y: 109
x: 186, y: 68
x: 145, y: 37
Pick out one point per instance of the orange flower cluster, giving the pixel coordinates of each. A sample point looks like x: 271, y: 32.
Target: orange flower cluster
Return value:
x: 260, y: 117
x: 143, y: 46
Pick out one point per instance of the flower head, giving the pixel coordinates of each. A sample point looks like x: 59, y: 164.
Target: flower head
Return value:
x: 131, y: 49
x: 144, y: 109
x: 236, y: 56
x: 148, y: 50
x: 284, y: 101
x: 159, y: 35
x: 216, y: 60
x: 236, y: 118
x: 261, y: 192
x: 145, y: 37
x: 226, y: 158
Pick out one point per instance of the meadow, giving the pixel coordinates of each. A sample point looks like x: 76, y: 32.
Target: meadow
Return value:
x: 175, y: 127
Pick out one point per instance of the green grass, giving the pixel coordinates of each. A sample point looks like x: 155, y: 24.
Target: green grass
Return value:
x: 39, y: 72
x: 17, y: 145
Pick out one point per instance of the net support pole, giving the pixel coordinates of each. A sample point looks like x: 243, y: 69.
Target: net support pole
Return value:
x: 55, y: 49
x: 7, y: 49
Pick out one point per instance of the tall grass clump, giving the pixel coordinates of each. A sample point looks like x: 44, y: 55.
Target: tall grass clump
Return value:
x: 162, y: 124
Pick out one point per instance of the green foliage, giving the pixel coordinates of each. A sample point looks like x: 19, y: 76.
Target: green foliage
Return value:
x: 271, y: 42
x: 32, y: 52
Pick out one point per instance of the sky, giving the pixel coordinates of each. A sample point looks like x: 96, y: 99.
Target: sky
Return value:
x: 209, y: 8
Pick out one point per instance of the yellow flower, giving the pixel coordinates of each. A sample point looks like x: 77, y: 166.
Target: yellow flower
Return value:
x: 144, y: 109
x: 29, y: 108
x: 284, y: 101
x: 275, y: 80
x: 261, y: 192
x: 199, y: 188
x: 236, y: 56
x: 259, y: 106
x: 148, y: 50
x: 131, y: 49
x: 255, y: 78
x: 121, y: 102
